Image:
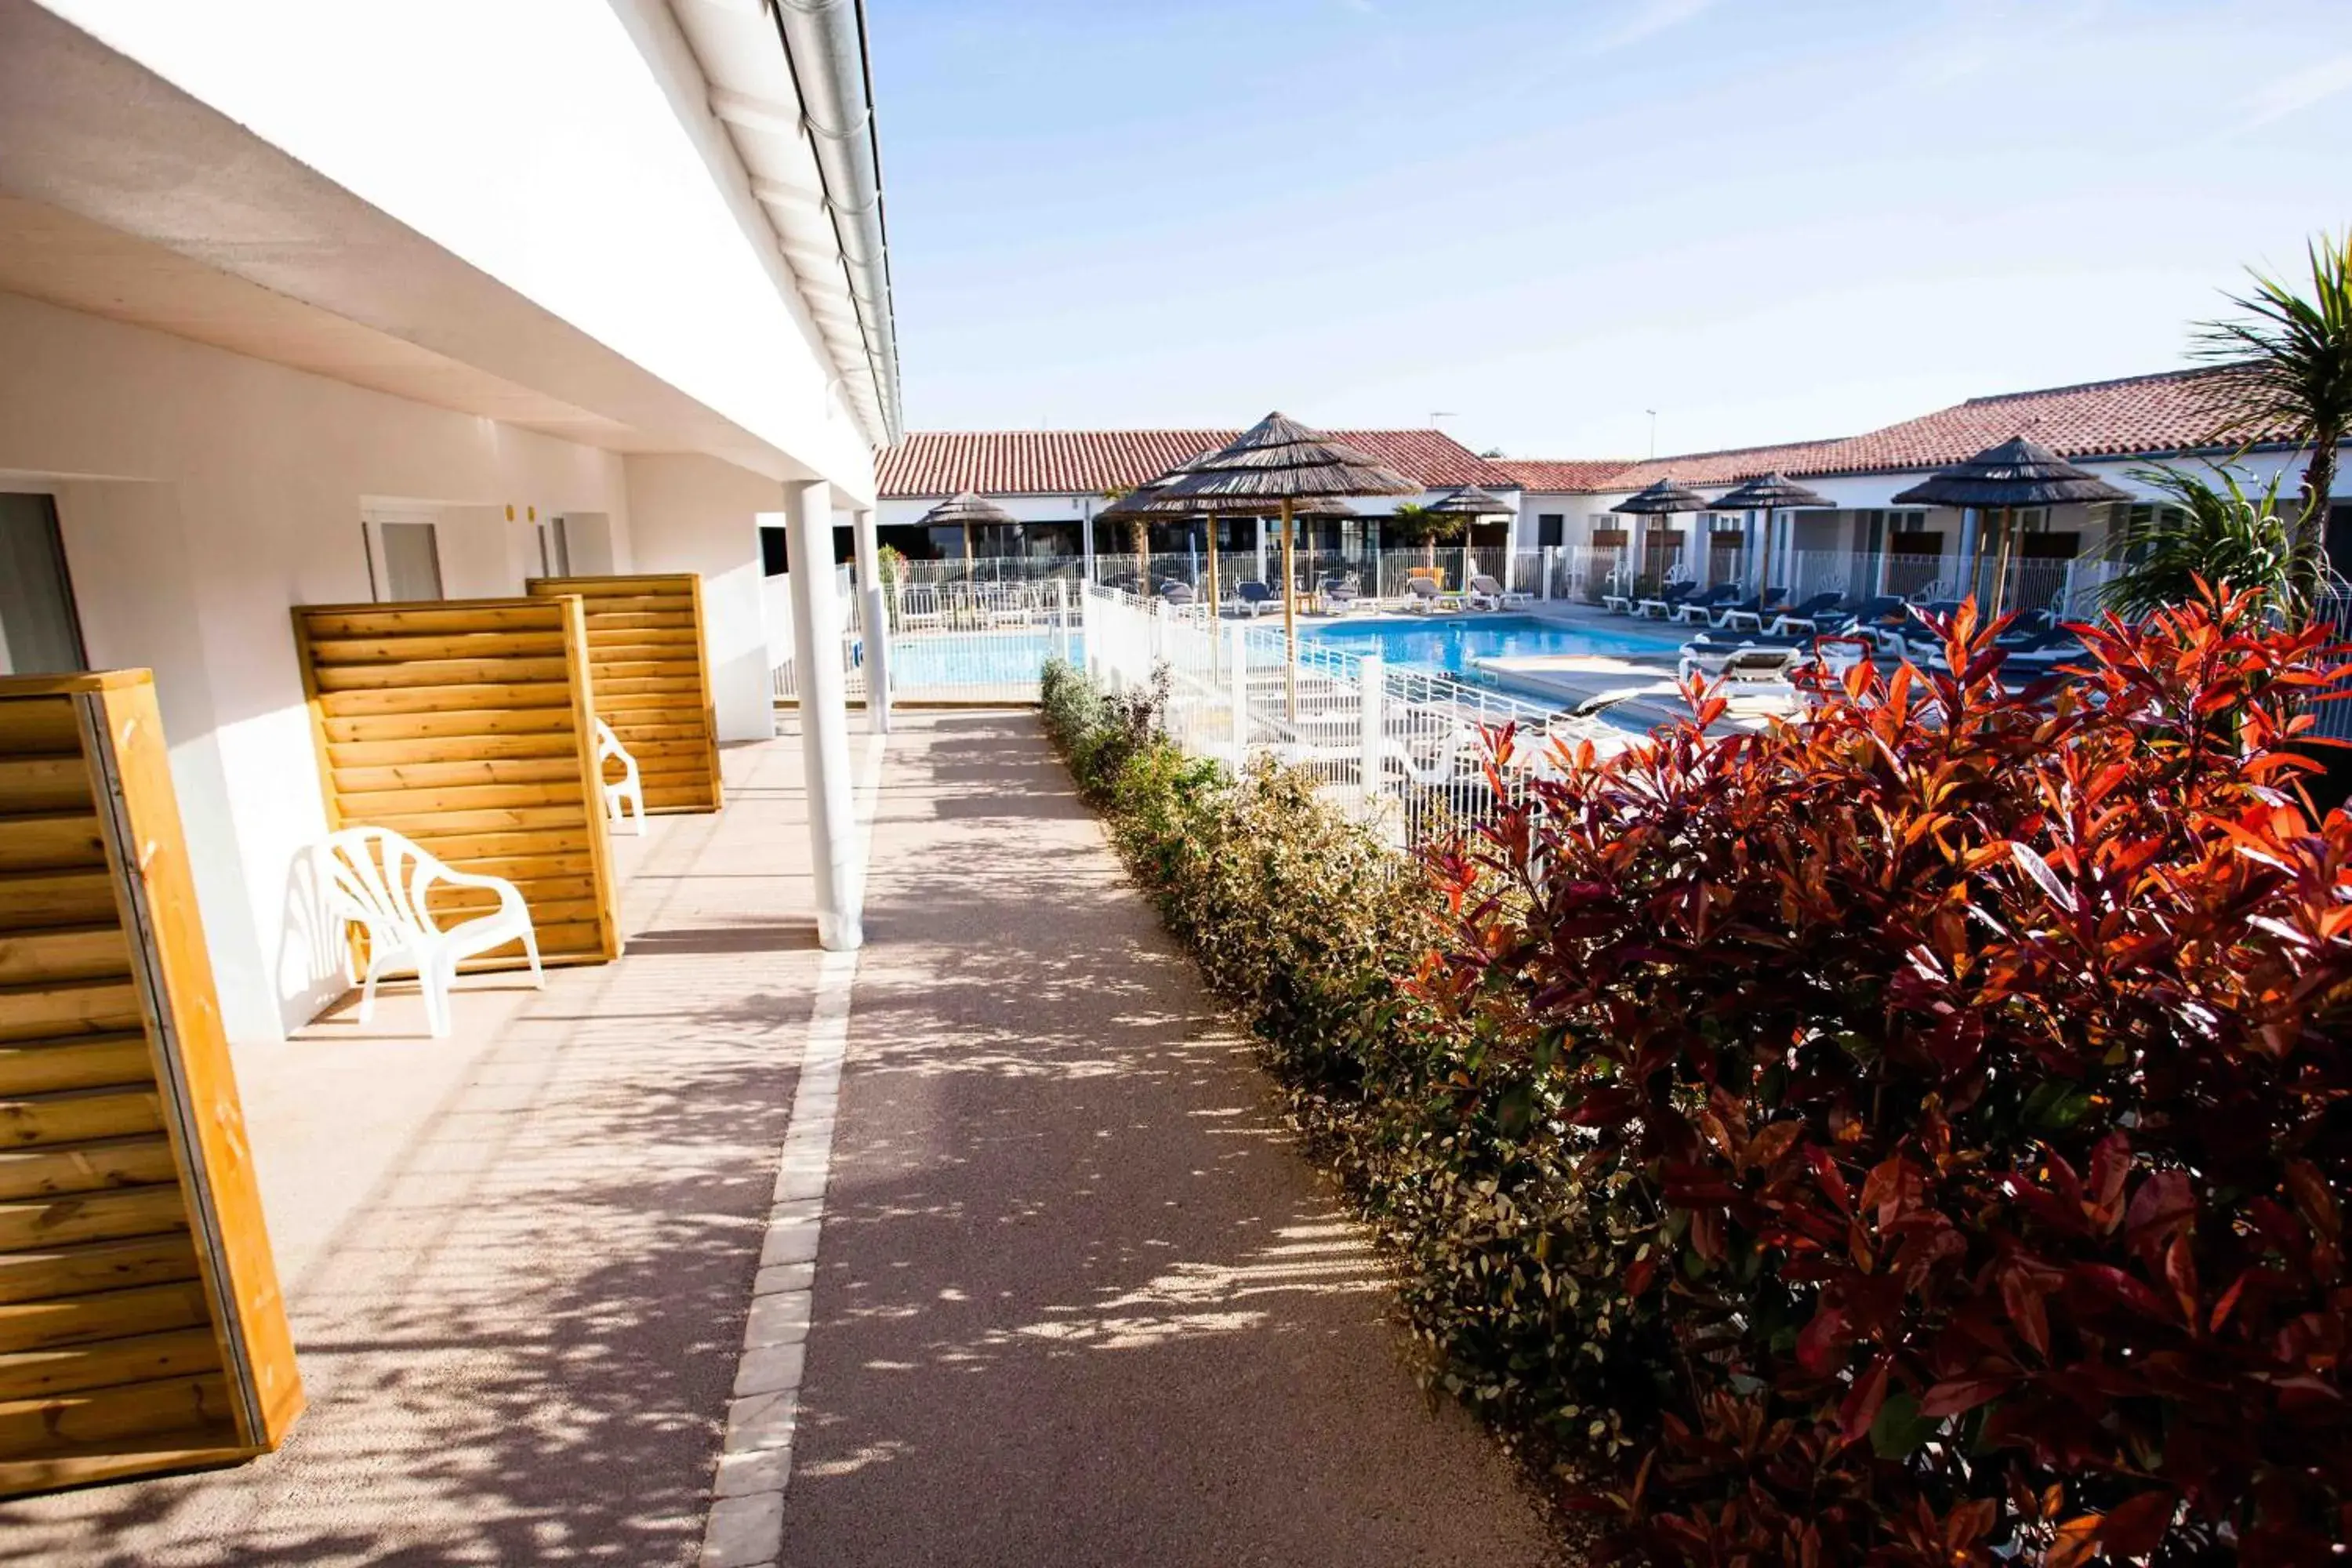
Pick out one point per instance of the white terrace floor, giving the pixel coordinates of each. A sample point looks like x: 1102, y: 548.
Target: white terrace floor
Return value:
x: 1074, y: 1299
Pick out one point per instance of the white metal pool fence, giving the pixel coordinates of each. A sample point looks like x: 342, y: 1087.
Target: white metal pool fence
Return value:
x: 954, y: 642
x: 1403, y: 748
x: 1577, y: 574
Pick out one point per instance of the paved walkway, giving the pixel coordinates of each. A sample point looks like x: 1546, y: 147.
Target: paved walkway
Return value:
x: 1075, y: 1300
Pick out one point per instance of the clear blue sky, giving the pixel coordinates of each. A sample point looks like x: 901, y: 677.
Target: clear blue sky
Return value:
x: 1766, y: 219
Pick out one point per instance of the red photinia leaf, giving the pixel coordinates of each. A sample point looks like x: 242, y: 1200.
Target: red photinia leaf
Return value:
x: 1960, y: 1395
x: 2134, y: 1527
x: 1818, y: 1345
x: 1859, y: 1406
x: 2077, y: 1542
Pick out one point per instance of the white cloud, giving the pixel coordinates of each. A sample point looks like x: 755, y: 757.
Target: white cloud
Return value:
x: 1647, y: 19
x: 2297, y: 92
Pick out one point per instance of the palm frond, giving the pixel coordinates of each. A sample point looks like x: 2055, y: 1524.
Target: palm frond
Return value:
x: 2215, y: 530
x: 2286, y: 357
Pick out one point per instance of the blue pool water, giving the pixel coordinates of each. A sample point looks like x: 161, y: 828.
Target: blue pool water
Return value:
x: 1447, y: 644
x: 946, y: 663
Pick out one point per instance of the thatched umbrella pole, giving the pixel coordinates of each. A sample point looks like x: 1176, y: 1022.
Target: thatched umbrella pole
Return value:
x: 1210, y: 521
x: 2001, y: 561
x: 2018, y: 472
x: 1767, y: 495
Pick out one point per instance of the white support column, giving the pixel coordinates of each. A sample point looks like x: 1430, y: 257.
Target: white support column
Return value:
x: 1086, y: 539
x: 1261, y: 550
x: 1371, y: 732
x: 874, y: 621
x: 1550, y: 555
x: 824, y: 715
x: 1062, y: 618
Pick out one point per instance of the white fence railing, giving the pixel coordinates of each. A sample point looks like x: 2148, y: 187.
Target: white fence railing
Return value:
x: 1576, y: 574
x: 1403, y: 748
x: 1583, y: 573
x: 956, y: 641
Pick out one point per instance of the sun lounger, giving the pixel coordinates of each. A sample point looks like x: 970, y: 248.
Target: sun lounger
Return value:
x: 2027, y: 654
x: 1664, y: 601
x: 1253, y: 598
x: 1175, y: 593
x: 1703, y: 607
x: 1423, y: 596
x: 1485, y: 594
x: 1801, y: 617
x: 1749, y: 615
x: 1616, y: 592
x: 1712, y: 652
x: 1860, y: 619
x: 1338, y: 593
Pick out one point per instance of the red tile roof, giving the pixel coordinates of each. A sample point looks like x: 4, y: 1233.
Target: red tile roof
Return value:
x: 2134, y: 416
x: 1708, y: 469
x: 2139, y: 416
x: 1563, y: 476
x: 1089, y: 462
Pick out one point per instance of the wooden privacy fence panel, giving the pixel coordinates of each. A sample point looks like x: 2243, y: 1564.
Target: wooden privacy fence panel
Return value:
x: 141, y: 1323
x: 653, y: 680
x: 465, y: 724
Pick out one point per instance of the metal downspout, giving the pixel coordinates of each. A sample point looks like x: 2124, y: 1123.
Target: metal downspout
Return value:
x: 824, y: 43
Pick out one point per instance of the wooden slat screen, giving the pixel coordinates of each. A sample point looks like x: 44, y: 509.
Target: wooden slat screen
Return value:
x: 465, y: 724
x: 653, y: 680
x: 141, y: 1323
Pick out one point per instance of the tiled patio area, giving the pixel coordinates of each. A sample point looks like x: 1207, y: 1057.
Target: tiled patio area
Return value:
x: 1075, y: 1300
x: 517, y: 1260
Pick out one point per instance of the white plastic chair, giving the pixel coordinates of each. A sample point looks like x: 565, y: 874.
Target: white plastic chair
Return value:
x: 628, y: 792
x: 380, y: 880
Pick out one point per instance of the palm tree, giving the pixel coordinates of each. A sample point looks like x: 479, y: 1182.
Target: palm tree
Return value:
x: 2287, y: 360
x: 1415, y: 523
x: 2219, y: 533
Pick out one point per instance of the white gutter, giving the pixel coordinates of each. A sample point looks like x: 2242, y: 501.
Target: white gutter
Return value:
x: 824, y: 42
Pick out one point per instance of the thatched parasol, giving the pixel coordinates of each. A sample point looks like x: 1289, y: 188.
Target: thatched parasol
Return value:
x: 1662, y: 499
x: 1151, y: 500
x: 1768, y: 493
x: 964, y: 510
x: 2019, y: 472
x: 1472, y: 502
x: 1278, y: 459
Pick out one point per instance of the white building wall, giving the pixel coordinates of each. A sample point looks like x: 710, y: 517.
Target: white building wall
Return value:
x: 202, y: 494
x: 693, y: 513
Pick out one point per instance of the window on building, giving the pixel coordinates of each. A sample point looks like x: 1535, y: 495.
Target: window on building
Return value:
x: 404, y: 561
x: 39, y: 633
x: 1551, y: 528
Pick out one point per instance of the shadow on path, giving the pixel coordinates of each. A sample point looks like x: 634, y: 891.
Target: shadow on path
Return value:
x: 1078, y: 1300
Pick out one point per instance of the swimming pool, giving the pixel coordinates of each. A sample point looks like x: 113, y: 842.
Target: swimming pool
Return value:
x: 1448, y: 645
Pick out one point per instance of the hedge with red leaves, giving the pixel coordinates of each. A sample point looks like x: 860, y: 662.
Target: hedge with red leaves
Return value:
x: 1977, y: 1059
